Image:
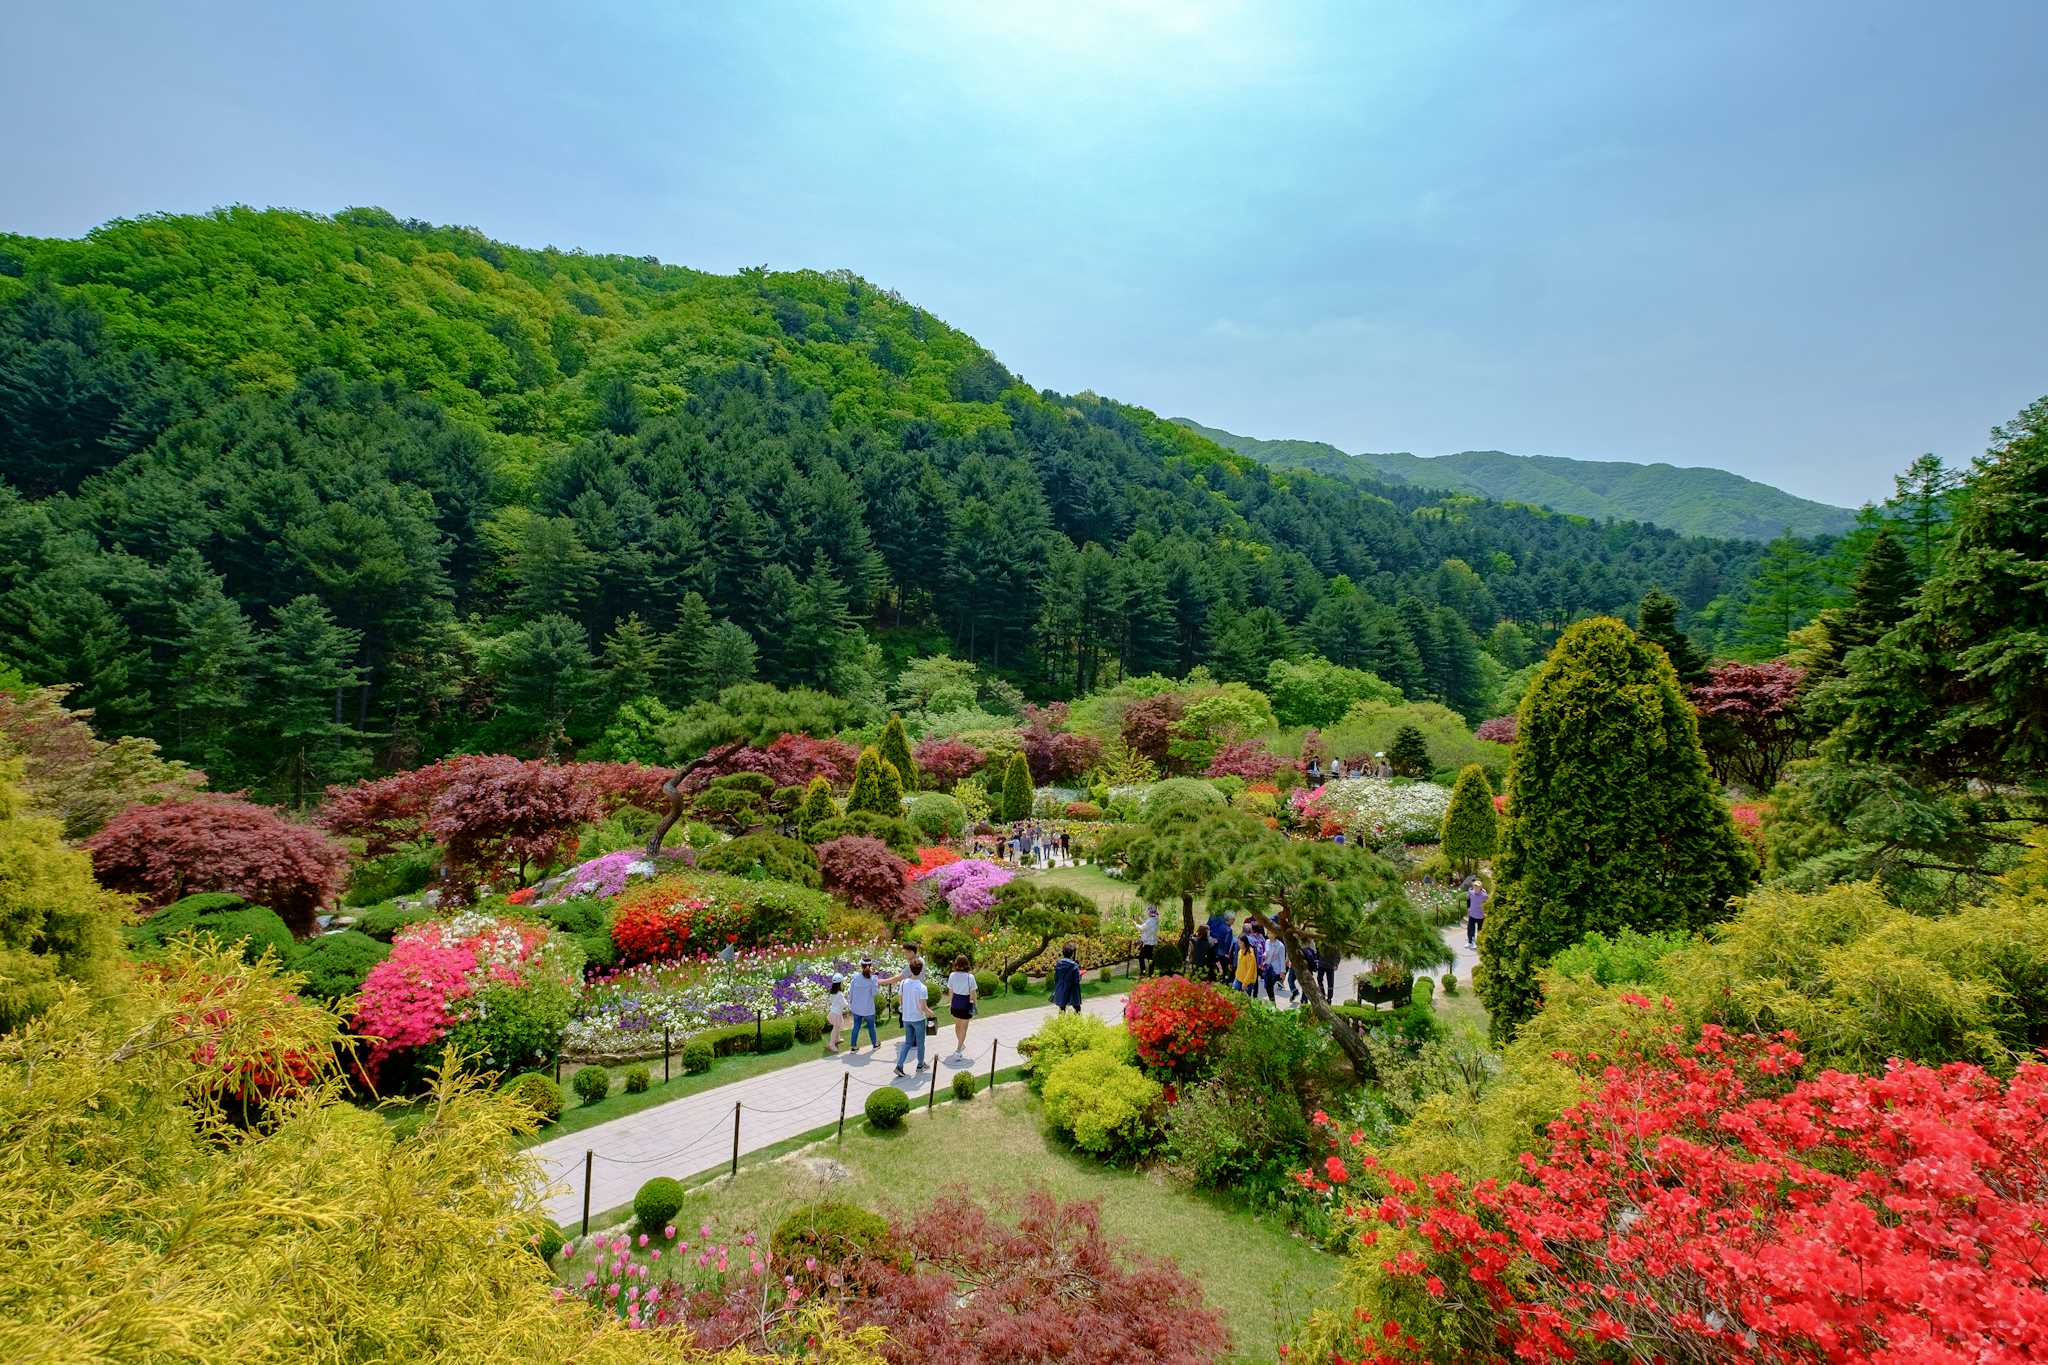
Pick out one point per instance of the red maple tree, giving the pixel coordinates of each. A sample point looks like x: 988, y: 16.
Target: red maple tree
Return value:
x: 219, y: 843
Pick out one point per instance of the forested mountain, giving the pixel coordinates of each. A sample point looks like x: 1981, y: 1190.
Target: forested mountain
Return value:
x: 1700, y: 502
x: 296, y: 495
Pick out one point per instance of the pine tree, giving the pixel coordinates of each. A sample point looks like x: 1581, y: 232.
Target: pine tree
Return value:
x: 1926, y: 493
x: 307, y: 662
x: 1615, y: 823
x: 553, y: 570
x: 821, y: 629
x: 632, y: 660
x: 1472, y: 824
x: 1657, y: 618
x: 815, y: 809
x: 683, y: 676
x: 727, y: 658
x: 1466, y: 679
x: 1408, y: 755
x: 1017, y: 793
x: 877, y: 786
x: 216, y: 652
x: 1420, y: 627
x: 1783, y: 595
x: 1882, y: 595
x: 895, y: 749
x: 547, y: 679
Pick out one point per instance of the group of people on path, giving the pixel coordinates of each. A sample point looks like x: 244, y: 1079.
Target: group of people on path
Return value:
x: 1256, y: 959
x: 1028, y: 844
x: 855, y: 999
x: 1338, y: 769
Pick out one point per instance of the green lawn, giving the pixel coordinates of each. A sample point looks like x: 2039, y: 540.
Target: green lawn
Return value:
x: 1255, y: 1272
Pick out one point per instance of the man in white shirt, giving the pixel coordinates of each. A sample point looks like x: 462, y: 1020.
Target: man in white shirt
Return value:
x: 1275, y: 967
x: 917, y: 1013
x: 1148, y: 940
x: 860, y: 1003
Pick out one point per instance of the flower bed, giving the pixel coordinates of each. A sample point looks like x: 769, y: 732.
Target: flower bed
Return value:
x: 699, y: 912
x: 622, y: 1016
x: 498, y: 988
x: 1371, y: 808
x: 604, y: 876
x: 930, y: 860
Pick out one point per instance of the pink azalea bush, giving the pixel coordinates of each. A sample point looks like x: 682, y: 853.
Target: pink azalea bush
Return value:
x: 968, y: 887
x: 445, y: 973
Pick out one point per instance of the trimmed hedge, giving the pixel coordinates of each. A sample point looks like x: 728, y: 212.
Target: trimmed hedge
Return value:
x: 778, y: 1035
x: 1019, y: 983
x: 591, y: 1083
x: 964, y: 1085
x: 697, y: 1057
x: 989, y: 984
x: 658, y: 1203
x: 886, y: 1107
x: 335, y: 964
x: 810, y: 1025
x: 1411, y: 1024
x: 637, y: 1080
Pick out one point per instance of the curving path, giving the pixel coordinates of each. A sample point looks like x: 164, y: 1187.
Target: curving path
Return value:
x: 693, y: 1134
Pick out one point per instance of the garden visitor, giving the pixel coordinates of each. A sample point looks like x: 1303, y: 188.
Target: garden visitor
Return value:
x: 1066, y: 981
x: 1222, y: 946
x: 916, y: 998
x: 1311, y: 965
x: 1475, y: 911
x: 1202, y: 954
x: 1247, y: 975
x: 835, y: 1013
x: 860, y: 1002
x: 965, y: 991
x: 1148, y: 940
x: 1274, y: 968
x: 1066, y: 848
x: 1325, y: 967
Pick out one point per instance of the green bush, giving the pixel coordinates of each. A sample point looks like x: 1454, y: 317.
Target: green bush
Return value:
x: 828, y: 1234
x: 638, y: 1079
x: 1019, y: 983
x: 592, y: 1083
x: 886, y: 1107
x: 935, y: 817
x: 1219, y: 1135
x: 810, y: 1026
x: 940, y: 944
x: 964, y: 1085
x: 402, y: 872
x: 405, y: 1126
x: 868, y: 825
x: 1628, y: 958
x: 226, y: 916
x: 989, y: 984
x: 778, y: 1035
x: 1411, y: 1024
x: 1067, y: 1035
x: 658, y: 1203
x: 334, y: 965
x: 1102, y: 1104
x: 1179, y: 791
x: 382, y: 922
x: 516, y: 1026
x: 588, y: 921
x: 763, y: 855
x: 697, y: 1057
x: 1167, y: 959
x: 547, y: 1243
x: 539, y: 1093
x: 1450, y: 984
x: 732, y: 1038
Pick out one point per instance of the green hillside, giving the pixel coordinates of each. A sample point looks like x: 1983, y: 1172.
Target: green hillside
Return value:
x: 1703, y: 502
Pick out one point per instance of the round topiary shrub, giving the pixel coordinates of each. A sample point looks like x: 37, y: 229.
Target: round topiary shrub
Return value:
x: 829, y: 1233
x: 989, y: 984
x: 592, y: 1083
x: 658, y: 1203
x: 1167, y: 959
x: 964, y: 1085
x: 941, y: 943
x: 637, y: 1080
x: 538, y: 1093
x: 334, y: 965
x: 1019, y: 983
x: 778, y: 1035
x: 697, y: 1056
x: 886, y: 1107
x: 1450, y: 983
x: 547, y: 1243
x: 810, y: 1026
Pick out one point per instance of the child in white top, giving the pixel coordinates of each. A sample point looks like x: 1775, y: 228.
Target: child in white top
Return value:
x: 835, y: 1013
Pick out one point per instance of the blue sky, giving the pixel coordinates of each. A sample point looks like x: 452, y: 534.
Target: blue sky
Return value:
x: 1803, y: 242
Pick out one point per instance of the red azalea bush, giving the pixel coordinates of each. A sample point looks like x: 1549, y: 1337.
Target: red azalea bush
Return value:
x: 863, y: 872
x: 504, y: 815
x: 682, y: 916
x: 946, y: 761
x: 1053, y: 753
x: 218, y: 843
x: 1705, y: 1205
x: 1248, y: 759
x: 1749, y: 823
x: 246, y: 1075
x: 1175, y: 1021
x: 929, y: 860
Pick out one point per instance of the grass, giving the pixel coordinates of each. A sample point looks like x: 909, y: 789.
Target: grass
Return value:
x: 993, y: 1146
x: 739, y: 1067
x: 1109, y: 893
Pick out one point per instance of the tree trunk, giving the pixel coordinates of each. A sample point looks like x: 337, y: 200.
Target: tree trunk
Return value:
x: 1348, y: 1040
x: 672, y: 788
x: 1013, y: 968
x: 1187, y: 923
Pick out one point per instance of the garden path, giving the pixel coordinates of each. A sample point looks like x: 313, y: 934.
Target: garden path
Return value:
x: 694, y: 1134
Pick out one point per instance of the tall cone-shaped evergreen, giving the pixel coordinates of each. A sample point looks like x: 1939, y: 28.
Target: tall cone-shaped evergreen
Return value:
x: 815, y: 809
x: 1471, y: 825
x: 1616, y: 822
x: 1657, y: 617
x: 877, y: 786
x: 1408, y: 755
x: 1017, y: 794
x: 895, y: 750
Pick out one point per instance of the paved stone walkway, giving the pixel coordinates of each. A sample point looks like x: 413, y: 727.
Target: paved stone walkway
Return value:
x: 688, y: 1136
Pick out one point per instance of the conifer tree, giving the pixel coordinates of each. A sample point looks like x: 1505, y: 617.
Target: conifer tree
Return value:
x: 307, y: 663
x: 1408, y: 755
x: 1657, y: 622
x: 547, y: 679
x: 683, y: 676
x: 727, y: 658
x: 1882, y: 595
x: 895, y: 749
x: 1616, y: 822
x: 1017, y: 793
x: 632, y: 660
x: 877, y: 786
x: 1471, y: 825
x: 216, y: 651
x: 56, y: 924
x: 815, y: 809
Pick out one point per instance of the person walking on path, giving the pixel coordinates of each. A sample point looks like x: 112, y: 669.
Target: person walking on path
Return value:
x: 835, y: 1013
x: 916, y: 998
x: 1148, y: 940
x: 1066, y: 981
x: 1274, y: 968
x: 1202, y: 954
x: 1247, y: 974
x: 1223, y: 945
x: 1475, y: 911
x: 965, y: 991
x: 860, y: 1002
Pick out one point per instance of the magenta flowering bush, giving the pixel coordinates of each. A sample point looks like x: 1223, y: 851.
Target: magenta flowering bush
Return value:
x: 968, y: 887
x: 501, y: 989
x: 604, y: 876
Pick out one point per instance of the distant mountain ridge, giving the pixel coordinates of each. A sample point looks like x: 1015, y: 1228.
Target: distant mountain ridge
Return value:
x: 1695, y: 501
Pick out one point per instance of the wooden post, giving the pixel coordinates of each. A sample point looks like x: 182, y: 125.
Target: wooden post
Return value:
x: 933, y: 1098
x: 664, y: 1056
x: 586, y: 1191
x: 735, y: 1137
x: 757, y: 1031
x: 994, y: 1048
x: 845, y: 1082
